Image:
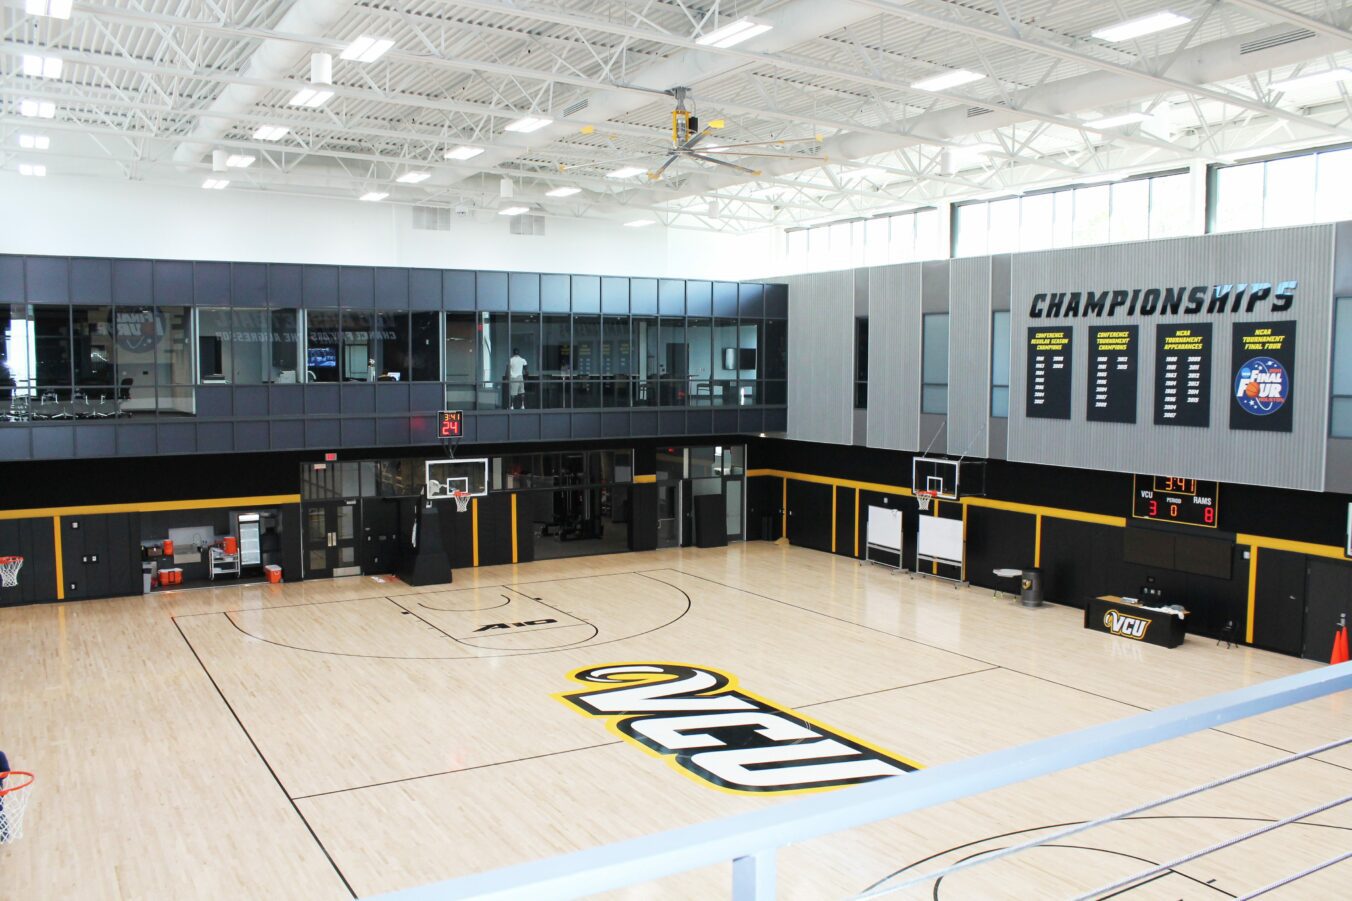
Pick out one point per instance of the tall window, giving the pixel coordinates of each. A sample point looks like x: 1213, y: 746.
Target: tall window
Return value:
x: 1000, y: 364
x: 889, y: 238
x: 1291, y: 190
x: 861, y: 363
x: 1340, y: 416
x: 934, y: 364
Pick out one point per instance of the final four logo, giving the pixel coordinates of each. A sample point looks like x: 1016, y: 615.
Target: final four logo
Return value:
x: 1262, y: 386
x: 699, y: 721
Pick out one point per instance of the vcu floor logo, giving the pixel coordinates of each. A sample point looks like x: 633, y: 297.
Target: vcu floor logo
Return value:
x: 1125, y: 625
x: 698, y: 720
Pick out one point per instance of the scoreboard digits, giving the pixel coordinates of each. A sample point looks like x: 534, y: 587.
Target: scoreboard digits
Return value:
x: 1175, y: 499
x: 448, y: 424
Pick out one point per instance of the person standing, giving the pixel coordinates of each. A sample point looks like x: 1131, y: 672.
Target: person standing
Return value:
x: 516, y: 380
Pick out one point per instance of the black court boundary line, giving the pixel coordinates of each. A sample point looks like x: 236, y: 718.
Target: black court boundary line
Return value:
x: 257, y: 750
x: 988, y: 663
x: 482, y: 766
x: 1171, y: 871
x: 439, y: 630
x: 505, y: 601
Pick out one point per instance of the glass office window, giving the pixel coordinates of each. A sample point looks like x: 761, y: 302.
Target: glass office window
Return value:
x: 934, y: 364
x: 776, y: 362
x: 357, y: 357
x: 617, y: 361
x: 1000, y: 364
x: 586, y: 361
x: 323, y: 346
x: 16, y: 356
x: 389, y: 346
x: 424, y: 342
x: 51, y: 346
x: 526, y: 342
x: 461, y: 375
x: 174, y: 362
x: 1340, y: 419
x: 556, y: 361
x: 749, y: 361
x: 493, y: 353
x: 673, y: 362
x: 92, y: 348
x: 645, y: 391
x: 213, y: 340
x: 250, y: 360
x: 699, y: 336
x: 138, y: 330
x: 285, y: 345
x: 861, y: 363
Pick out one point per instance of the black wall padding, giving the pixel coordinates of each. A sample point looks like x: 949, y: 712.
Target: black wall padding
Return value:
x: 764, y: 496
x: 643, y: 518
x: 810, y: 515
x: 1279, y: 602
x: 845, y: 523
x: 1328, y: 600
x: 525, y: 531
x: 998, y: 539
x: 711, y: 521
x: 31, y: 539
x: 495, y: 529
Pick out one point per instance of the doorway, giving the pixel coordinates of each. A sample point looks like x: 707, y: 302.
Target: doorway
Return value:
x: 331, y: 538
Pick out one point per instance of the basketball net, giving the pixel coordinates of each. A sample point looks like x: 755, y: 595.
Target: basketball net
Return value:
x: 9, y: 571
x: 923, y: 498
x: 461, y: 500
x: 14, y: 795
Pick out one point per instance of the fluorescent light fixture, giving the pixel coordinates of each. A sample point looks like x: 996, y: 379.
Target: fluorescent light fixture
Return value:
x: 34, y: 142
x: 514, y: 211
x: 626, y: 172
x: 239, y: 161
x: 463, y: 152
x: 53, y: 9
x: 35, y: 169
x: 366, y: 49
x: 1115, y: 121
x: 270, y: 132
x: 311, y: 98
x: 1314, y: 78
x: 373, y: 196
x: 41, y: 66
x: 563, y: 192
x: 1135, y: 28
x: 527, y: 124
x: 639, y: 223
x: 37, y: 109
x: 412, y: 178
x: 946, y: 80
x: 733, y: 33
x: 216, y: 184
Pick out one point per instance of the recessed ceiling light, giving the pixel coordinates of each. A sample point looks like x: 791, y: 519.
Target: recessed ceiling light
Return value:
x: 34, y: 142
x: 514, y: 211
x: 216, y: 184
x: 1314, y: 78
x: 311, y: 98
x: 53, y: 9
x: 639, y: 223
x: 41, y: 66
x: 37, y: 109
x: 563, y: 192
x: 527, y: 124
x: 1135, y: 28
x: 946, y: 80
x: 463, y: 152
x: 366, y: 49
x: 239, y: 160
x: 270, y: 132
x: 35, y: 169
x: 373, y: 196
x: 1115, y: 121
x: 412, y: 178
x: 733, y: 33
x: 626, y: 172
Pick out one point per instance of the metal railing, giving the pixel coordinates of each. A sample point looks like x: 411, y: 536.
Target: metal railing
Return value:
x: 751, y: 840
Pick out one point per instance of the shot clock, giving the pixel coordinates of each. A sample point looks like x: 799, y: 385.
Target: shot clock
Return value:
x: 448, y: 424
x: 1175, y: 499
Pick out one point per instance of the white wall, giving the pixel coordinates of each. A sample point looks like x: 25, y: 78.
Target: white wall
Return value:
x: 101, y: 217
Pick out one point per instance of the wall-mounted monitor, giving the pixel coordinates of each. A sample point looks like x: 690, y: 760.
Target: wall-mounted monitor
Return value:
x: 323, y: 357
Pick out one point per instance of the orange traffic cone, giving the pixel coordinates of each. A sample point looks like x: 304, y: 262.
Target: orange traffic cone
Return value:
x: 1339, y: 647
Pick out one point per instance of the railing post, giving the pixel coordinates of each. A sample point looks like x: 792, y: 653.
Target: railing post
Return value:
x: 753, y: 877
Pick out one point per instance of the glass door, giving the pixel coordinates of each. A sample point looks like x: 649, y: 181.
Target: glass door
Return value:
x: 331, y: 539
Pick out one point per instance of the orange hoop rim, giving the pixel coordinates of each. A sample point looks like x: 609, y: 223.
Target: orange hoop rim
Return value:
x: 7, y: 773
x: 10, y: 559
x: 927, y: 494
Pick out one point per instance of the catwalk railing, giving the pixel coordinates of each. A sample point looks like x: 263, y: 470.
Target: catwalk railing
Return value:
x: 752, y: 840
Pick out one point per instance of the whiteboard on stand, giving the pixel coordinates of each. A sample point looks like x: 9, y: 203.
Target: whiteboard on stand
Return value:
x: 884, y: 528
x: 940, y: 539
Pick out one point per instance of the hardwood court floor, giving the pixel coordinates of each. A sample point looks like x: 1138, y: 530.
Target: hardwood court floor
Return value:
x: 343, y: 738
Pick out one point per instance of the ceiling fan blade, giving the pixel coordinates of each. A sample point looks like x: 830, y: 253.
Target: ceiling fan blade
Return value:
x: 718, y: 162
x: 781, y: 156
x: 598, y: 163
x: 655, y: 175
x: 722, y: 148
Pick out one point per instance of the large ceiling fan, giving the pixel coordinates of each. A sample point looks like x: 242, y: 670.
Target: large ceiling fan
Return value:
x: 687, y: 143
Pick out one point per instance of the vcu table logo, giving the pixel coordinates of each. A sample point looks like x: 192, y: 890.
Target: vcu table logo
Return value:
x: 1125, y: 625
x: 698, y: 720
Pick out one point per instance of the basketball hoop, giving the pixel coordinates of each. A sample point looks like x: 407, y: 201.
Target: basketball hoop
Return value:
x: 9, y: 571
x: 13, y: 803
x: 923, y: 498
x: 461, y: 500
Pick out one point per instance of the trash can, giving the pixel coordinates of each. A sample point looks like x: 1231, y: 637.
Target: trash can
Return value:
x: 1030, y: 588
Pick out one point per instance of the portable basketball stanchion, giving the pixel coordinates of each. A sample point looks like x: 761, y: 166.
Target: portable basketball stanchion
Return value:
x: 9, y: 571
x: 14, y: 795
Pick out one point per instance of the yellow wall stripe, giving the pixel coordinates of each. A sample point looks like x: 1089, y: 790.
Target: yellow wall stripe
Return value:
x: 60, y: 567
x: 515, y: 553
x: 856, y: 522
x: 1253, y: 592
x: 474, y: 515
x: 1295, y: 547
x: 784, y: 525
x: 269, y: 500
x: 1037, y: 541
x: 645, y: 479
x: 964, y: 542
x: 834, y: 492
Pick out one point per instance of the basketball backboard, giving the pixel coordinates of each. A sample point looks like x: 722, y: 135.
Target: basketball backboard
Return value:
x: 445, y: 477
x: 948, y: 479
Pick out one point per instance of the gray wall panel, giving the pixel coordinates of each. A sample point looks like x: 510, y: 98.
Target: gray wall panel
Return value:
x: 969, y: 356
x: 998, y: 431
x: 1287, y: 460
x: 894, y: 357
x: 1338, y: 463
x: 821, y: 357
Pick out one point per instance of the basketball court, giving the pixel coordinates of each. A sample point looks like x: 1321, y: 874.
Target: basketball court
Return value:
x: 344, y: 738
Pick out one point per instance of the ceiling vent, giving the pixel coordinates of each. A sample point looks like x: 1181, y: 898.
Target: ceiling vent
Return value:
x: 528, y: 225
x: 1276, y: 40
x: 432, y: 218
x: 974, y: 111
x: 573, y: 109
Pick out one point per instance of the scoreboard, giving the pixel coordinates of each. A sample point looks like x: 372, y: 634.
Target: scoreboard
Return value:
x: 448, y: 424
x: 1175, y: 499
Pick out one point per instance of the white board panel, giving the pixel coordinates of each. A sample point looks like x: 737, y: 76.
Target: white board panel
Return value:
x: 884, y: 528
x: 940, y: 539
